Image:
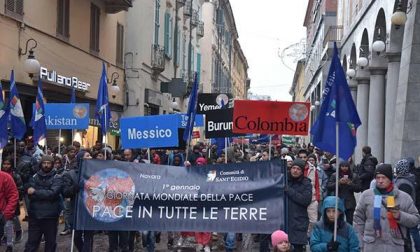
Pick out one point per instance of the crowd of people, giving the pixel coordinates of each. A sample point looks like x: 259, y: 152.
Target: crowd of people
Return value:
x: 385, y: 218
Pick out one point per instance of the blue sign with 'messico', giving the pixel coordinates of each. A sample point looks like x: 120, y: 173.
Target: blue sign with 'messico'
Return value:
x: 67, y: 115
x: 149, y: 131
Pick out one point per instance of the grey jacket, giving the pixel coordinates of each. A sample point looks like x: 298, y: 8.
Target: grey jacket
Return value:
x: 363, y: 222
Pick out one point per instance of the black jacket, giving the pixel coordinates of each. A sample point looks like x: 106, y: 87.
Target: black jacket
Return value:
x: 345, y: 192
x: 45, y: 201
x: 367, y: 170
x: 70, y: 183
x: 299, y: 196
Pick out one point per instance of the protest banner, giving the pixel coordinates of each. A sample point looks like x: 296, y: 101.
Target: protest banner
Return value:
x: 245, y: 197
x: 67, y: 115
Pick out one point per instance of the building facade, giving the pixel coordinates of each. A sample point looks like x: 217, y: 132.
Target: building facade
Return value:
x: 384, y: 78
x: 220, y: 48
x: 69, y: 39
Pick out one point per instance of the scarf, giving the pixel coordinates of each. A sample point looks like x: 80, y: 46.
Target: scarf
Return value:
x: 377, y: 204
x: 316, y: 177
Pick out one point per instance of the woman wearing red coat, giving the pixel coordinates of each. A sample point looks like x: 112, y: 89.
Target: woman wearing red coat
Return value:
x: 9, y: 197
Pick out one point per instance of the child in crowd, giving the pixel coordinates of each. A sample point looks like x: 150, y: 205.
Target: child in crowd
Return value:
x: 280, y: 241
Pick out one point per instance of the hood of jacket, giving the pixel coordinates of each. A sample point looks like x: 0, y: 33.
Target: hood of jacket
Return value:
x: 329, y: 202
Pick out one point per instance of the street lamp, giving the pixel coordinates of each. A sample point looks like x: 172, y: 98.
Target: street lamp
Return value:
x: 115, y: 89
x: 378, y: 45
x: 351, y: 73
x: 31, y: 65
x: 362, y: 62
x: 399, y: 17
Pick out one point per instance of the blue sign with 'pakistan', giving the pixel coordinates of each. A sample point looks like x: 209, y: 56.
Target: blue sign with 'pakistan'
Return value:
x: 67, y: 115
x: 150, y: 131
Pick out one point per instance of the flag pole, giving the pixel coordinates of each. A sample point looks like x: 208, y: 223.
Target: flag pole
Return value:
x: 105, y: 138
x: 59, y: 143
x: 72, y: 241
x: 226, y: 151
x: 269, y: 148
x: 337, y: 169
x: 14, y: 151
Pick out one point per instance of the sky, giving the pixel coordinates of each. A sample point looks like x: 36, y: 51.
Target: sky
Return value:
x: 265, y: 29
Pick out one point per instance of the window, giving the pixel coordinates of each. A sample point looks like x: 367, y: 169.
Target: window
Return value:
x: 157, y: 24
x: 120, y: 44
x: 63, y: 10
x: 95, y: 13
x: 14, y: 8
x: 168, y: 35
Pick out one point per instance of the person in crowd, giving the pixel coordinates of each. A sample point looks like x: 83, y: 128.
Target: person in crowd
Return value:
x: 284, y: 153
x: 76, y: 146
x: 97, y: 146
x: 406, y: 182
x: 322, y: 177
x: 280, y: 241
x: 348, y: 184
x: 83, y: 239
x: 9, y: 199
x: 299, y: 196
x: 289, y: 161
x: 366, y: 168
x: 202, y: 238
x: 8, y: 167
x: 43, y: 191
x: 58, y: 165
x: 196, y: 153
x: 322, y: 238
x: 128, y: 155
x: 70, y: 158
x: 383, y: 214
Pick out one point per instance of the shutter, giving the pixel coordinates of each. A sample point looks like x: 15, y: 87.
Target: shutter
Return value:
x: 19, y: 7
x: 166, y: 38
x: 178, y: 46
x: 170, y: 36
x: 198, y: 66
x: 60, y: 16
x: 66, y: 28
x: 120, y: 44
x: 10, y: 5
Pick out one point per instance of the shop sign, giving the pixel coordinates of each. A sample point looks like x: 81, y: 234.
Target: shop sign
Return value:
x: 67, y: 115
x: 54, y: 77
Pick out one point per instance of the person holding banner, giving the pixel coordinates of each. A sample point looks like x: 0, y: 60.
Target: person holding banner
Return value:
x: 43, y: 191
x: 299, y: 196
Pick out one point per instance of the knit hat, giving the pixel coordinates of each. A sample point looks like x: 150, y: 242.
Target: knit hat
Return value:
x: 288, y: 158
x: 284, y: 151
x: 47, y: 158
x: 384, y: 169
x: 402, y: 167
x: 300, y: 163
x: 200, y: 161
x: 278, y: 236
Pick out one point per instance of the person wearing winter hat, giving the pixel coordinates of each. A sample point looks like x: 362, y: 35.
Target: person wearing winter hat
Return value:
x: 299, y: 192
x: 280, y: 241
x: 406, y: 182
x: 383, y: 214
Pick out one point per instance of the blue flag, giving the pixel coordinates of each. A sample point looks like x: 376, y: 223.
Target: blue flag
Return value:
x: 337, y: 107
x: 38, y: 116
x: 102, y: 112
x: 17, y: 119
x: 192, y: 110
x: 4, y: 116
x: 73, y: 95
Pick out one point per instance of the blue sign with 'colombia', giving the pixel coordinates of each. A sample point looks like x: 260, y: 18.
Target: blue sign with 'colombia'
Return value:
x: 150, y: 131
x: 67, y: 115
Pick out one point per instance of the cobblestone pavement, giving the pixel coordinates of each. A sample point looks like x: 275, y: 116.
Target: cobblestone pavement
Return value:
x: 101, y: 243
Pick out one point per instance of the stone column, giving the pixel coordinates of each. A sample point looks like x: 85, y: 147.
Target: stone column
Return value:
x: 376, y: 120
x: 362, y: 106
x: 353, y: 89
x: 390, y: 98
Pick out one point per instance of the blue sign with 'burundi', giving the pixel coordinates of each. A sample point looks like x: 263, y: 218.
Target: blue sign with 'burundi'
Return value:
x: 199, y: 120
x: 67, y: 115
x: 149, y: 131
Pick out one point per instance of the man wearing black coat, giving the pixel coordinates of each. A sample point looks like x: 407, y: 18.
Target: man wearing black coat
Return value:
x: 299, y: 196
x: 43, y: 191
x: 367, y: 168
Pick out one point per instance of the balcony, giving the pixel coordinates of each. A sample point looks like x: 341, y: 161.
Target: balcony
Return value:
x: 187, y: 8
x: 158, y: 59
x: 200, y: 29
x: 195, y: 18
x: 115, y: 6
x: 334, y: 34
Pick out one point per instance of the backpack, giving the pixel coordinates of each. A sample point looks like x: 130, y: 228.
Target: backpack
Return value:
x: 411, y: 182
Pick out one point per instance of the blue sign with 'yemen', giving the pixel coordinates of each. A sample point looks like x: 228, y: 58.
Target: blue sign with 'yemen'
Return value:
x: 67, y: 115
x: 149, y: 131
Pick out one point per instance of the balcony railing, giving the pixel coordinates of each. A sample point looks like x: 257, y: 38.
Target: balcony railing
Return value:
x: 158, y: 58
x: 187, y: 8
x: 115, y: 6
x: 195, y: 18
x: 334, y: 34
x: 200, y: 29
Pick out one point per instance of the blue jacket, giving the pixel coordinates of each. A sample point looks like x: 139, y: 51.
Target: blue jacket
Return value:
x: 322, y: 232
